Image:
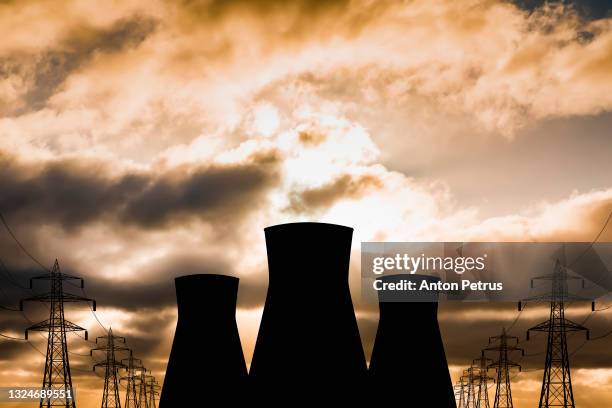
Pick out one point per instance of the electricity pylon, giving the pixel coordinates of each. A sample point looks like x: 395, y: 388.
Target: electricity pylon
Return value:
x: 57, y: 366
x: 131, y: 394
x: 152, y: 392
x: 470, y: 378
x: 110, y: 395
x: 503, y: 364
x: 482, y: 397
x: 143, y: 392
x: 460, y: 394
x: 557, y: 381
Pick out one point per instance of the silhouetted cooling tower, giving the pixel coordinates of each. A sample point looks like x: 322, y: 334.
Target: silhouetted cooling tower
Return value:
x: 206, y: 365
x: 308, y: 340
x: 408, y: 361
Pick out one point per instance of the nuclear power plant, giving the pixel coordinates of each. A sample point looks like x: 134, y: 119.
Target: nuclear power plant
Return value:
x: 308, y: 344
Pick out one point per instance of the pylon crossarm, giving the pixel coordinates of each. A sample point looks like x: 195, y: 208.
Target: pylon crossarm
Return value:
x: 540, y: 326
x: 114, y: 339
x: 571, y: 326
x: 499, y: 365
x: 500, y: 348
x: 109, y: 364
x: 552, y: 276
x: 499, y: 338
x: 566, y: 297
x: 56, y: 276
x: 104, y: 348
x: 51, y: 297
x: 46, y: 324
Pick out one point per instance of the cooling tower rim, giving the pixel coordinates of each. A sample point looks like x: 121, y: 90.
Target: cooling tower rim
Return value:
x: 277, y: 227
x: 210, y: 277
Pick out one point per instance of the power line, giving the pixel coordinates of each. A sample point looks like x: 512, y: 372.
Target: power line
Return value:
x: 592, y: 242
x: 23, y: 248
x: 10, y: 278
x: 516, y: 319
x: 10, y: 337
x: 33, y: 258
x: 94, y: 312
x: 36, y: 348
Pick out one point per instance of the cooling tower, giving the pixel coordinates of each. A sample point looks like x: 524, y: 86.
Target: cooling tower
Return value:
x: 408, y: 362
x: 206, y: 365
x: 308, y: 340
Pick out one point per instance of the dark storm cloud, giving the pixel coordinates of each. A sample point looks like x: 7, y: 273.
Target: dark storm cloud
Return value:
x: 216, y: 189
x: 156, y: 291
x: 345, y: 186
x: 590, y: 9
x: 74, y: 193
x: 52, y: 67
x: 290, y: 21
x: 131, y: 296
x: 307, y: 8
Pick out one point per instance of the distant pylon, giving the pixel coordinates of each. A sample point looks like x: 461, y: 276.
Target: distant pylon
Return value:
x: 57, y: 366
x: 503, y: 364
x: 110, y: 395
x: 460, y: 393
x: 482, y: 396
x: 152, y: 392
x: 132, y: 387
x: 470, y: 378
x: 557, y: 381
x: 143, y: 392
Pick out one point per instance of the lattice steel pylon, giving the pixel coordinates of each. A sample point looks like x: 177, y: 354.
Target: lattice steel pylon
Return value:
x: 503, y: 364
x: 557, y: 381
x: 152, y: 392
x: 143, y: 392
x: 470, y: 381
x: 110, y: 394
x: 460, y: 394
x: 132, y: 387
x: 482, y: 396
x: 57, y: 367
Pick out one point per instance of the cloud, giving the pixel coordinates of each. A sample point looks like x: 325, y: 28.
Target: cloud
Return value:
x: 594, y: 9
x: 580, y: 217
x: 54, y: 66
x: 415, y: 74
x: 41, y: 75
x: 153, y: 287
x: 72, y: 192
x: 152, y: 139
x: 344, y: 187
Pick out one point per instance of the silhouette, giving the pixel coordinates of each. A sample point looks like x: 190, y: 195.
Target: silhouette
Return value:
x: 408, y: 359
x: 308, y: 342
x: 206, y: 365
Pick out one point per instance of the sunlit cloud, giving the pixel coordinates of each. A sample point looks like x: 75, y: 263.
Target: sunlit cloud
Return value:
x: 144, y: 140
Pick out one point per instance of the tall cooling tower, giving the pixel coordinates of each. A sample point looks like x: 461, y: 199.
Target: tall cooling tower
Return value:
x: 408, y: 361
x: 308, y: 341
x: 206, y: 365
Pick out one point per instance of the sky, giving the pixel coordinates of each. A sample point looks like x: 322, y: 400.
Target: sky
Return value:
x: 144, y: 140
